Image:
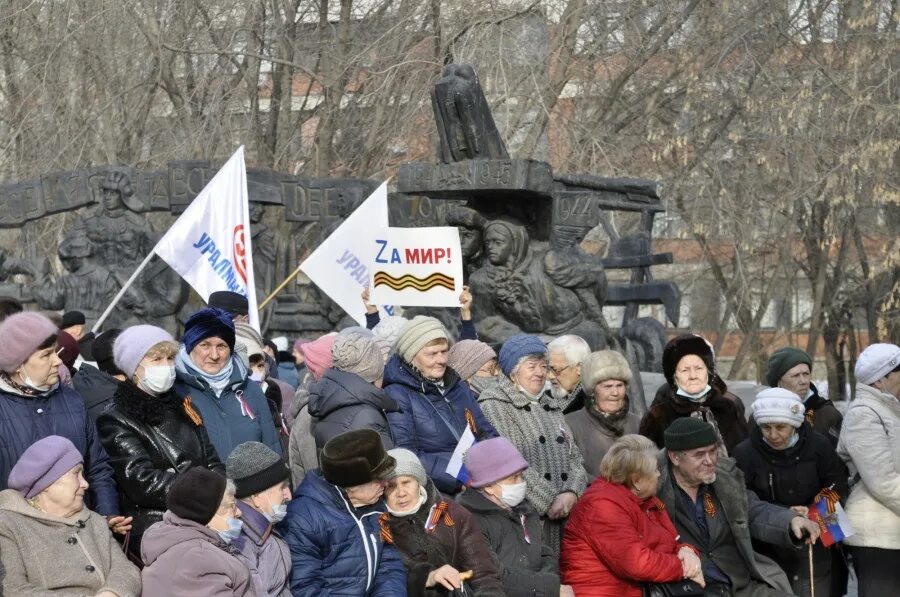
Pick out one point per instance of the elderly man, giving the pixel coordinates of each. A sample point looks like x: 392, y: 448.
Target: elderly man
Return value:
x: 566, y: 354
x: 790, y: 368
x: 706, y: 498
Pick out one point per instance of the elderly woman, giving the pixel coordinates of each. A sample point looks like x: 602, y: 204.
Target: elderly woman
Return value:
x: 349, y: 395
x: 190, y: 551
x: 437, y: 539
x: 694, y: 390
x: 786, y: 462
x: 870, y: 444
x: 50, y: 543
x: 150, y: 432
x: 514, y: 531
x: 476, y: 363
x: 436, y: 406
x: 619, y: 536
x: 532, y: 419
x: 302, y: 446
x: 233, y: 408
x: 605, y: 417
x: 261, y: 479
x: 34, y: 405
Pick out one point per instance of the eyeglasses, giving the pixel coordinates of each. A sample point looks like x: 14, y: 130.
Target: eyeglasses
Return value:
x: 558, y: 372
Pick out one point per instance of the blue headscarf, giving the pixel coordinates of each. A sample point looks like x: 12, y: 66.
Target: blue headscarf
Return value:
x: 208, y: 323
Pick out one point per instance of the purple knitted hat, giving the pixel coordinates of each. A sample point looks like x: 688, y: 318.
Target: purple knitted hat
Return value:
x: 22, y: 334
x: 493, y: 459
x: 133, y: 343
x: 45, y: 461
x: 468, y: 356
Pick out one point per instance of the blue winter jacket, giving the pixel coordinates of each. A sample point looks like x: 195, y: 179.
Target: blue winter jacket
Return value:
x: 336, y: 549
x: 223, y: 416
x: 432, y: 419
x: 25, y: 419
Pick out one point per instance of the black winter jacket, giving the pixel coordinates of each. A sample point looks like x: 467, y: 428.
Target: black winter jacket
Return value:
x: 341, y: 402
x: 149, y: 441
x: 528, y: 566
x: 96, y: 387
x: 794, y: 476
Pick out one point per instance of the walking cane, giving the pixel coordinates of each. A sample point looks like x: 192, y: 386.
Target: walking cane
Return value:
x: 812, y: 578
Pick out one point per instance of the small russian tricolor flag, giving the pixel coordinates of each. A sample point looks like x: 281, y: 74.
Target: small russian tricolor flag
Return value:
x: 831, y: 518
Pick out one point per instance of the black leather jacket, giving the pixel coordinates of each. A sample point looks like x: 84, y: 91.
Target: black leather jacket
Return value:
x: 149, y: 440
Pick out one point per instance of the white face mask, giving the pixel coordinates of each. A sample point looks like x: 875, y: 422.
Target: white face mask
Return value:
x: 158, y: 379
x: 423, y: 496
x: 279, y: 511
x: 694, y: 397
x: 30, y: 383
x: 512, y: 495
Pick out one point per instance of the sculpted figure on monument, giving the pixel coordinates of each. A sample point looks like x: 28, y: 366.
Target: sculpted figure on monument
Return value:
x: 471, y: 235
x: 86, y: 286
x: 535, y: 290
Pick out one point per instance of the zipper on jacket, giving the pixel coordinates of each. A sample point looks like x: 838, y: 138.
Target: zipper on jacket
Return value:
x: 772, y: 487
x: 370, y: 563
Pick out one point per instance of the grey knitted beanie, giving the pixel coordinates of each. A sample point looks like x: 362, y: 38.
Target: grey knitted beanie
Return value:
x: 408, y: 464
x: 255, y: 467
x: 359, y: 354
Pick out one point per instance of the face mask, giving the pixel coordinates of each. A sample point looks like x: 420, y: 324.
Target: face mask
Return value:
x: 234, y: 530
x: 423, y: 495
x: 158, y: 379
x: 512, y: 495
x: 480, y: 384
x: 257, y: 376
x: 30, y: 383
x: 529, y: 395
x: 279, y: 511
x: 694, y: 397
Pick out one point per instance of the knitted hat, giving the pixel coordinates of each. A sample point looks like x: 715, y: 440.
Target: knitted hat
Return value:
x: 356, y: 329
x: 45, y: 461
x: 468, y: 356
x: 518, y: 346
x: 317, y: 354
x: 71, y: 318
x: 255, y: 467
x: 416, y: 334
x: 689, y: 433
x: 357, y: 353
x: 387, y: 331
x: 782, y: 361
x: 875, y: 362
x: 680, y: 347
x: 132, y: 344
x: 493, y: 459
x: 102, y: 350
x: 21, y: 335
x: 232, y: 302
x: 208, y: 323
x: 407, y: 464
x: 245, y: 335
x: 281, y: 343
x: 196, y: 494
x: 777, y: 405
x: 68, y: 349
x: 355, y: 458
x: 604, y: 365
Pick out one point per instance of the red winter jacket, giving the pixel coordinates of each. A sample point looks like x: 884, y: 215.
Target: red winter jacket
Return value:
x: 613, y: 542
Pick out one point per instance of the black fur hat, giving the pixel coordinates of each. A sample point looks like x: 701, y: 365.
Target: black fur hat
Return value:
x: 355, y: 458
x: 679, y: 347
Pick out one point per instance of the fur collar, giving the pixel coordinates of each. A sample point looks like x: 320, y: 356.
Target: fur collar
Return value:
x: 144, y: 407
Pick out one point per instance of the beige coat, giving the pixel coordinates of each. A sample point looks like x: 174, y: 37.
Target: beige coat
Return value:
x: 870, y: 445
x: 75, y: 556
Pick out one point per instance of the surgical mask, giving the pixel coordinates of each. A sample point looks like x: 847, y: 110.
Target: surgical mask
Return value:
x: 695, y: 397
x: 279, y: 511
x: 512, y: 495
x: 159, y: 379
x: 234, y: 530
x: 423, y: 496
x: 529, y: 395
x: 257, y: 376
x: 30, y: 383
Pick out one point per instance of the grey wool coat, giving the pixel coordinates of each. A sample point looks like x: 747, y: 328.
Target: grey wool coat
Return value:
x: 593, y: 438
x: 748, y: 517
x: 539, y: 430
x: 42, y: 554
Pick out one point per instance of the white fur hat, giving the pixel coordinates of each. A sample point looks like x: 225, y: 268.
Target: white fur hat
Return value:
x: 603, y: 365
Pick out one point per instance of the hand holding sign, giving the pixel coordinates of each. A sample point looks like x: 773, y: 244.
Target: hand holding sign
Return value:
x: 419, y: 267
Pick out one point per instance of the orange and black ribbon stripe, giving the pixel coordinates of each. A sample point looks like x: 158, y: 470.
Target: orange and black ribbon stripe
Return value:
x: 831, y: 498
x: 386, y: 534
x: 437, y: 512
x: 709, y: 505
x: 470, y: 419
x: 191, y: 412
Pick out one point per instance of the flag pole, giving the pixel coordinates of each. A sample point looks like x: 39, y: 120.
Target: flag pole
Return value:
x: 121, y: 292
x: 279, y: 289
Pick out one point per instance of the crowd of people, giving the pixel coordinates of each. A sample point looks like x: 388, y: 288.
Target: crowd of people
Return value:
x: 224, y: 463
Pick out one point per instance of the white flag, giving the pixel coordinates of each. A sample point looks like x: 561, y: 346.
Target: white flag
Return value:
x: 340, y: 265
x: 209, y: 244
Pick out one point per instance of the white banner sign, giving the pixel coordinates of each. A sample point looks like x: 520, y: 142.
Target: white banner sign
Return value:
x: 209, y: 244
x: 340, y: 266
x: 417, y: 267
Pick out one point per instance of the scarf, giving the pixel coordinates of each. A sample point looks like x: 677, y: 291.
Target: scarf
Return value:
x: 217, y: 382
x: 612, y: 422
x: 7, y: 383
x: 699, y: 411
x: 481, y: 384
